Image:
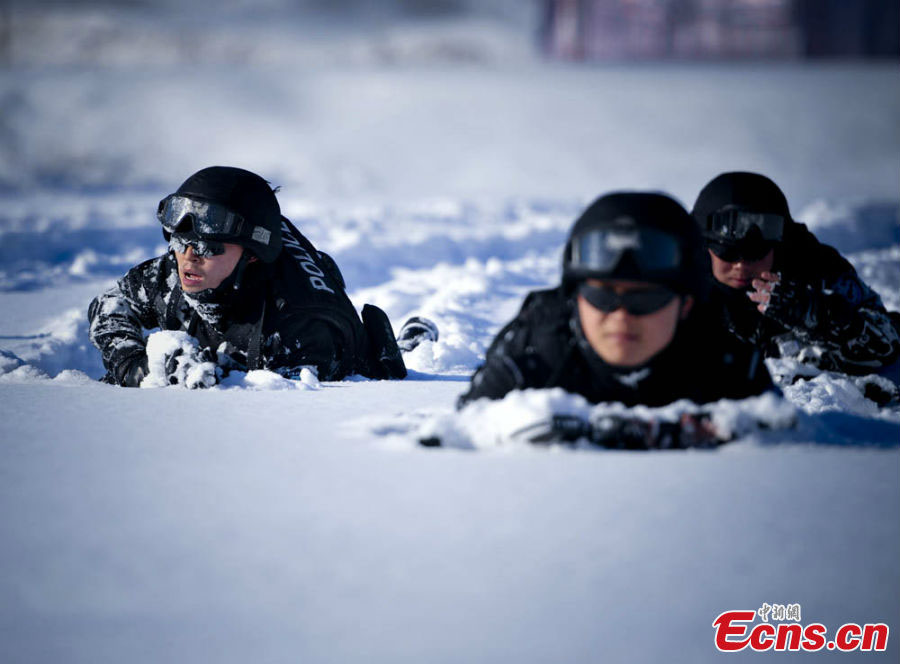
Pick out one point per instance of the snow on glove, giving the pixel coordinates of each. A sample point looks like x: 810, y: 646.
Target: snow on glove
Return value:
x: 175, y: 358
x: 190, y: 369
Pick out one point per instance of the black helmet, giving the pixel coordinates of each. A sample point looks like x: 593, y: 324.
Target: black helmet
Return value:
x: 743, y: 211
x: 636, y: 236
x: 225, y: 204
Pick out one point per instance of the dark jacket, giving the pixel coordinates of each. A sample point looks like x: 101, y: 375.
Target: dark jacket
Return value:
x: 285, y: 316
x: 839, y: 323
x: 543, y: 347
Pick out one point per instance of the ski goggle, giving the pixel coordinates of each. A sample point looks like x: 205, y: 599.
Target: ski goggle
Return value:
x: 741, y: 251
x: 732, y: 225
x: 179, y: 243
x: 601, y: 250
x: 636, y: 302
x: 180, y: 213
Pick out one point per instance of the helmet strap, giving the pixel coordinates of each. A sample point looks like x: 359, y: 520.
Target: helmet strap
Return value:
x: 240, y: 268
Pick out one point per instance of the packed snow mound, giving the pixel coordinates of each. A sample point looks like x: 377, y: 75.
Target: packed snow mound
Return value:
x: 829, y: 391
x: 24, y: 373
x: 511, y: 424
x: 61, y: 343
x: 261, y: 379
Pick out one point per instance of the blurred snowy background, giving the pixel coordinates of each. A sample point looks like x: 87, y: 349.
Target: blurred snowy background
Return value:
x: 421, y: 98
x: 439, y: 150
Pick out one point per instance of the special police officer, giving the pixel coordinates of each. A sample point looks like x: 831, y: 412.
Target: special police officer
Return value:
x: 246, y: 284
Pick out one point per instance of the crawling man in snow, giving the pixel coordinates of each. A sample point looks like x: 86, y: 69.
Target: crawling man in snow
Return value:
x: 244, y: 282
x: 776, y: 286
x: 626, y: 325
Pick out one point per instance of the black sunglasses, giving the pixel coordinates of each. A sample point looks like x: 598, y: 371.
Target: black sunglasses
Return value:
x: 741, y: 251
x: 636, y: 302
x: 202, y: 248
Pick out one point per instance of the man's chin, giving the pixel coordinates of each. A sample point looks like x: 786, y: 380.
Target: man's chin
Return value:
x: 192, y: 286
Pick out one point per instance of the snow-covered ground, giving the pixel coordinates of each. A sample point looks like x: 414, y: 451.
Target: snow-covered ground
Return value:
x: 248, y: 522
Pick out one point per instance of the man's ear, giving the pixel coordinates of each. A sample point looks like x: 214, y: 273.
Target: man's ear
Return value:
x: 686, y: 305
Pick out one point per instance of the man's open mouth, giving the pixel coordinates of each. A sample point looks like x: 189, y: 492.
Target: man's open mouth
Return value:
x: 192, y: 277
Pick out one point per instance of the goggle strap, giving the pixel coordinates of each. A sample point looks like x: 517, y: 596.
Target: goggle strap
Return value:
x: 233, y: 223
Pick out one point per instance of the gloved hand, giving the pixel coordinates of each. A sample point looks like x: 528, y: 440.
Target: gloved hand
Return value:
x: 626, y: 433
x: 175, y: 358
x: 698, y: 430
x: 622, y: 432
x: 132, y: 371
x: 791, y: 304
x: 631, y: 433
x: 555, y: 429
x: 191, y: 369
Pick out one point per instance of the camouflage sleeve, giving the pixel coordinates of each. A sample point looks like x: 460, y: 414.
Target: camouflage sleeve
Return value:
x: 856, y: 322
x: 834, y: 311
x: 843, y: 316
x: 118, y: 318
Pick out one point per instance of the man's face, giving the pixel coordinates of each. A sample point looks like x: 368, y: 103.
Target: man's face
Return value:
x: 627, y: 340
x: 741, y: 273
x: 197, y: 274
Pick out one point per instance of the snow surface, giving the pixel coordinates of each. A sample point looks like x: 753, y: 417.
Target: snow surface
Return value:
x: 252, y: 522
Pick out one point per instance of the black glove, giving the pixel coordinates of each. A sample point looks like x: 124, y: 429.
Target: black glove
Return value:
x: 624, y: 433
x: 414, y: 331
x: 132, y: 371
x: 556, y: 429
x: 629, y: 433
x: 797, y: 305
